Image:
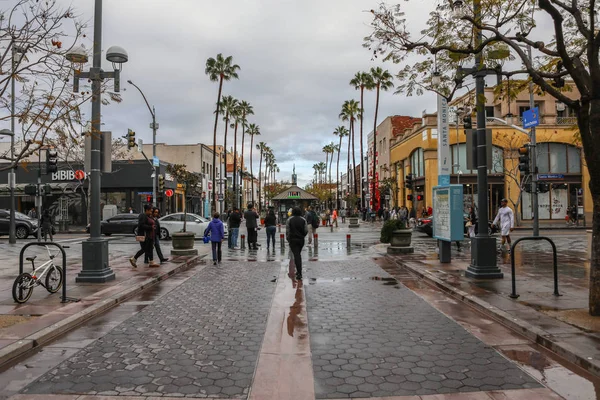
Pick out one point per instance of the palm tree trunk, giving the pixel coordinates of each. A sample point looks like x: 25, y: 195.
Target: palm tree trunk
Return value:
x: 375, y: 205
x: 235, y: 196
x: 362, y: 155
x: 214, y: 159
x: 225, y: 155
x: 242, y: 167
x: 348, y: 160
x: 337, y: 173
x: 251, y: 172
x: 259, y: 171
x: 354, y: 162
x: 330, y: 195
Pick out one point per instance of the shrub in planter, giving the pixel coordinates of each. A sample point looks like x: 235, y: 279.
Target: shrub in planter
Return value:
x: 389, y: 227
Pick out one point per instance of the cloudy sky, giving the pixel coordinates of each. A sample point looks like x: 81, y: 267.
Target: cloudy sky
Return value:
x: 296, y: 59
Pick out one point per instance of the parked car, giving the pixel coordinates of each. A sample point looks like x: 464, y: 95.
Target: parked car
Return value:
x: 173, y: 223
x: 120, y: 223
x: 425, y: 225
x: 24, y: 226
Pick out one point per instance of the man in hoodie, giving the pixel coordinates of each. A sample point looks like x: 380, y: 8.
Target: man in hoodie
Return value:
x: 296, y: 228
x: 216, y: 231
x: 251, y: 218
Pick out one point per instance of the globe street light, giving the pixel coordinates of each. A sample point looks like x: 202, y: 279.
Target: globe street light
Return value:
x: 95, y: 264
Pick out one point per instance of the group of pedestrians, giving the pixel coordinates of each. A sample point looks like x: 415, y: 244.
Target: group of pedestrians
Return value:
x: 148, y: 234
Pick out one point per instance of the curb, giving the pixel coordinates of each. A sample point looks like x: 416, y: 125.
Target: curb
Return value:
x: 47, y: 334
x: 518, y: 325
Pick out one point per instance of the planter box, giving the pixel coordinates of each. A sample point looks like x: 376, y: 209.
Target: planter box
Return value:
x: 400, y: 242
x: 183, y: 243
x: 353, y: 222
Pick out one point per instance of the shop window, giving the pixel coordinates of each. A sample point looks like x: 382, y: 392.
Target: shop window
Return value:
x: 459, y: 160
x: 573, y: 160
x: 558, y: 158
x: 417, y: 163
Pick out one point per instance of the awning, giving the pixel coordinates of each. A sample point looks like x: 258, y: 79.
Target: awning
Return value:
x: 58, y: 188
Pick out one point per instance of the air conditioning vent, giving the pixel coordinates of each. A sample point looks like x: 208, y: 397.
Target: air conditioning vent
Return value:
x: 560, y: 106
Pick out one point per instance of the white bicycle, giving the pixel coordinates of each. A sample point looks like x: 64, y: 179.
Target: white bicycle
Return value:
x: 47, y: 275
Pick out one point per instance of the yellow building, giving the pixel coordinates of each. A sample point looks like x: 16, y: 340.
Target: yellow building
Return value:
x: 559, y: 159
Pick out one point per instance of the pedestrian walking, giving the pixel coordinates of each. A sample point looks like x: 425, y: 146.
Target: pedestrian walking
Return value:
x: 47, y: 224
x: 216, y: 231
x: 159, y: 253
x: 472, y: 223
x: 271, y: 228
x: 296, y: 229
x: 312, y: 220
x: 343, y: 215
x: 334, y: 216
x: 328, y: 217
x: 506, y: 219
x: 235, y: 220
x: 32, y: 213
x: 251, y: 218
x: 145, y: 235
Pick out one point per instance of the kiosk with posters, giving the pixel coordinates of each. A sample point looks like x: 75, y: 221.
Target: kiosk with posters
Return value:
x: 448, y: 224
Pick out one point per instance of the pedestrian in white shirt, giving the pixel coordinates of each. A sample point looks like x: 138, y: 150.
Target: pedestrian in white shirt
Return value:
x: 506, y: 218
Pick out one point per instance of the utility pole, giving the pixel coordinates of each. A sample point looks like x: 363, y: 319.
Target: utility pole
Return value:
x: 533, y: 161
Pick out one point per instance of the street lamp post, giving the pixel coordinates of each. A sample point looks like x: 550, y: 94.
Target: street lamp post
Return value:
x: 95, y: 265
x: 154, y: 127
x: 483, y: 246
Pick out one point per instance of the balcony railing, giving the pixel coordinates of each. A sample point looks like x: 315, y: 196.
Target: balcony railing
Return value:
x: 566, y: 120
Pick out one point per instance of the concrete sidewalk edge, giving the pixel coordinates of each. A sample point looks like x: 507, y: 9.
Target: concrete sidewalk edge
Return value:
x: 45, y: 335
x: 520, y: 326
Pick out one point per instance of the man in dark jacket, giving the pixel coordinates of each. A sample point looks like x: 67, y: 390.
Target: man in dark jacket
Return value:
x: 145, y: 228
x: 296, y: 229
x: 251, y: 218
x: 155, y: 217
x: 235, y: 220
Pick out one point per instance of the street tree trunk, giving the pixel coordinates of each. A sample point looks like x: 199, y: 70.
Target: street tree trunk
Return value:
x: 242, y: 167
x: 348, y: 181
x: 374, y: 179
x: 235, y: 175
x: 259, y: 171
x: 214, y: 158
x: 362, y: 154
x: 251, y: 172
x: 337, y: 172
x: 354, y: 162
x: 225, y: 155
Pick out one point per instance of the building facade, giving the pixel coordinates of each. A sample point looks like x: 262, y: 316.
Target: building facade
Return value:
x: 559, y: 159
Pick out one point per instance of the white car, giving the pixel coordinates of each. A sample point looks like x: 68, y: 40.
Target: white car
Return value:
x: 173, y: 223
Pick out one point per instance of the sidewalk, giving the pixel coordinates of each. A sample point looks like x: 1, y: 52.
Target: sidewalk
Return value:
x: 561, y: 324
x: 24, y: 327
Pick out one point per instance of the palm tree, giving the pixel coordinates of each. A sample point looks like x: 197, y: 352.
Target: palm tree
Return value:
x: 341, y: 132
x: 253, y: 130
x: 316, y: 168
x: 328, y: 149
x: 382, y: 80
x: 245, y: 109
x: 269, y: 161
x: 262, y: 147
x: 350, y: 112
x: 219, y: 69
x: 228, y: 107
x: 362, y: 81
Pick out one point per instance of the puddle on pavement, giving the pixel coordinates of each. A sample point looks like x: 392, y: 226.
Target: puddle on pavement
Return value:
x: 312, y: 281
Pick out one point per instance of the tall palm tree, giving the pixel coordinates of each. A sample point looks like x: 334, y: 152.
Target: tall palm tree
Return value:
x: 262, y: 147
x: 328, y: 149
x: 350, y: 112
x: 219, y: 69
x: 228, y: 107
x: 245, y: 109
x: 341, y: 132
x: 252, y: 130
x: 382, y: 80
x: 362, y: 81
x: 316, y: 168
x: 269, y: 161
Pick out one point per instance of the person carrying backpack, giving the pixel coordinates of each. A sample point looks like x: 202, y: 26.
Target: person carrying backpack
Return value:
x: 295, y: 230
x: 312, y: 220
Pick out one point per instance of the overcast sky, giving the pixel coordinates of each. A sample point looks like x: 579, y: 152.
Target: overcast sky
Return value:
x: 296, y: 59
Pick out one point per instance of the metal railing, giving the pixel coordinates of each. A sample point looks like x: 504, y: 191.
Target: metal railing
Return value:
x: 514, y: 294
x: 566, y: 120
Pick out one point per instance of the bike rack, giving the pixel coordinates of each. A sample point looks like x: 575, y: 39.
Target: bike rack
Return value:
x: 64, y: 299
x: 514, y: 294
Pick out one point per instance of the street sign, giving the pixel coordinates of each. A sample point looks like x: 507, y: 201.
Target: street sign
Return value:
x: 152, y: 127
x: 79, y: 175
x: 551, y: 176
x: 169, y: 192
x: 220, y: 196
x: 144, y: 193
x: 140, y: 145
x: 155, y: 161
x: 443, y: 142
x: 367, y: 196
x: 387, y: 196
x: 531, y: 118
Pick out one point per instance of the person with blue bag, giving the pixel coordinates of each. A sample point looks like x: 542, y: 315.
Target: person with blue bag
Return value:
x: 216, y: 232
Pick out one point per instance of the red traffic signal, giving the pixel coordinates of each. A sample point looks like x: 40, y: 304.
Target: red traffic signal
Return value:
x: 148, y: 199
x: 419, y: 197
x: 409, y: 197
x: 169, y: 192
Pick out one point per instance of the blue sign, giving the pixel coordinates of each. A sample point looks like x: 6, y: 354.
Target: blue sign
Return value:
x: 144, y: 193
x: 155, y: 162
x: 531, y: 118
x: 448, y: 220
x: 443, y: 180
x: 551, y: 176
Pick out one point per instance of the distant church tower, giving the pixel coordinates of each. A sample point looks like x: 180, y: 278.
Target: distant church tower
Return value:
x: 294, y: 176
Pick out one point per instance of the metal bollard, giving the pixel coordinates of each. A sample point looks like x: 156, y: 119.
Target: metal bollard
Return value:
x: 279, y: 228
x: 348, y: 240
x: 243, y: 245
x: 331, y: 228
x: 282, y: 240
x: 316, y: 239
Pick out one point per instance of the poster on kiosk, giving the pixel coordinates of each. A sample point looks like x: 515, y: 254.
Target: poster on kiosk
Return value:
x: 448, y: 220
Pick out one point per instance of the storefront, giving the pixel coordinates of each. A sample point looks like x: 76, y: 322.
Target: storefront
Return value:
x: 292, y: 197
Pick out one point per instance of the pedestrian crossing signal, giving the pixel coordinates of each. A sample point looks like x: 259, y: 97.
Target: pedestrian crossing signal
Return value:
x: 409, y: 197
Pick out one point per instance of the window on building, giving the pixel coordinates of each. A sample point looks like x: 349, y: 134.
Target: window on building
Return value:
x: 459, y: 160
x: 558, y: 158
x: 489, y: 111
x: 417, y: 163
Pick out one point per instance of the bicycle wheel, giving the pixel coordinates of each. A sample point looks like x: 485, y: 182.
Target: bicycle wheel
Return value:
x: 22, y: 288
x: 54, y: 279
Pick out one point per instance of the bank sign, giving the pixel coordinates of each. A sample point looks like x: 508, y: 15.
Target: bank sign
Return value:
x: 68, y: 175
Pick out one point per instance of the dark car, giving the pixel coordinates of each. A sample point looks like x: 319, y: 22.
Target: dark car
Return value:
x: 24, y: 226
x: 120, y: 223
x: 425, y: 225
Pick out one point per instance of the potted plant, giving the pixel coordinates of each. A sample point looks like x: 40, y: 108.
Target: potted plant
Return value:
x: 183, y: 242
x: 398, y: 235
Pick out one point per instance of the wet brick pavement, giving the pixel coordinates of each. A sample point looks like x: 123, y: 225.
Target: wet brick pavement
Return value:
x: 202, y: 339
x: 372, y: 338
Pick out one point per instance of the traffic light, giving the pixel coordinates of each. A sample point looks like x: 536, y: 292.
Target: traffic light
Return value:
x: 51, y: 161
x: 543, y: 187
x: 30, y: 190
x: 467, y: 122
x: 130, y: 139
x: 408, y: 181
x: 419, y: 197
x: 161, y: 183
x: 409, y: 197
x: 524, y: 160
x: 149, y: 199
